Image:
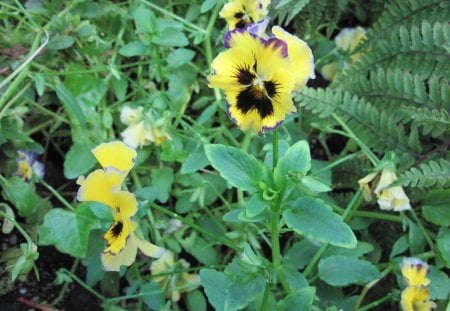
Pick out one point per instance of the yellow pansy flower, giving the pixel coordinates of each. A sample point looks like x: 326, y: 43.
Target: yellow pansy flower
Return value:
x: 104, y: 186
x: 165, y: 272
x: 364, y: 184
x: 415, y: 297
x: 415, y: 271
x: 258, y: 76
x: 241, y: 13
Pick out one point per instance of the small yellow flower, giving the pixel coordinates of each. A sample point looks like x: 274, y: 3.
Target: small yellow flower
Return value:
x: 258, y: 76
x: 347, y: 40
x: 415, y: 297
x: 393, y: 198
x: 415, y: 271
x: 241, y: 13
x: 103, y: 186
x: 165, y: 272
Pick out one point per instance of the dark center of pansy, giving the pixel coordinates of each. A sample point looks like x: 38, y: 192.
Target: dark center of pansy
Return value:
x: 243, y: 19
x: 116, y: 230
x: 257, y: 92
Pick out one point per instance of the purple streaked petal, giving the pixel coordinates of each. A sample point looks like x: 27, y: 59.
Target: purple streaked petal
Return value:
x: 277, y: 43
x: 270, y: 128
x: 228, y: 112
x: 259, y: 28
x: 229, y: 34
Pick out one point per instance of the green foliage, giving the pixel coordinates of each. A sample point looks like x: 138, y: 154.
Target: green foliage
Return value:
x: 343, y: 270
x: 430, y: 174
x: 314, y: 219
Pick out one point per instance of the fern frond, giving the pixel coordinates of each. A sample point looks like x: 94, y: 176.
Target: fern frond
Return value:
x: 432, y: 174
x: 418, y: 49
x: 433, y: 121
x: 377, y: 129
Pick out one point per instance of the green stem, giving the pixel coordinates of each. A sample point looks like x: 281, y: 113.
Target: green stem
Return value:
x: 375, y: 303
x: 66, y: 284
x: 335, y: 163
x: 422, y: 229
x: 275, y: 149
x: 244, y: 147
x: 265, y: 297
x: 369, y: 286
x: 196, y: 227
x: 84, y: 285
x: 19, y: 227
x: 57, y: 195
x: 174, y: 16
x: 21, y: 72
x: 314, y: 260
x: 138, y: 274
x: 372, y: 157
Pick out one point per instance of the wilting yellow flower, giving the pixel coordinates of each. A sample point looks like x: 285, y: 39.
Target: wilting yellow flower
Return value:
x: 170, y: 276
x: 139, y: 132
x: 258, y: 76
x: 415, y: 297
x: 241, y: 13
x: 364, y: 184
x: 347, y: 40
x: 393, y: 198
x: 103, y: 186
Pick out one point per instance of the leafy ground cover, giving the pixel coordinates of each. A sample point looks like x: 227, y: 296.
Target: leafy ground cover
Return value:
x: 226, y: 155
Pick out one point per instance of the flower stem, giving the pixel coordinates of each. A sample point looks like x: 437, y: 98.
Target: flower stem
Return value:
x: 57, y: 195
x: 422, y: 229
x: 224, y: 240
x: 372, y: 157
x: 84, y: 285
x: 66, y: 284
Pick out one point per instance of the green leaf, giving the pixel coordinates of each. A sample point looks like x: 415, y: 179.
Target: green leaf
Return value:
x: 153, y: 295
x: 162, y: 179
x: 171, y: 37
x: 194, y: 162
x: 439, y: 285
x: 239, y: 168
x: 179, y: 57
x: 343, y: 271
x: 145, y: 20
x: 314, y: 219
x: 203, y: 251
x: 314, y: 184
x: 79, y: 160
x: 60, y: 42
x: 240, y: 293
x: 134, y: 48
x: 215, y: 284
x: 39, y: 82
x: 361, y: 249
x: 120, y: 87
x: 255, y: 206
x: 21, y: 194
x: 400, y: 246
x: 196, y: 301
x: 443, y: 244
x: 207, y: 5
x: 299, y: 300
x: 436, y: 208
x: 297, y: 159
x: 69, y: 231
x: 300, y: 254
x: 70, y: 104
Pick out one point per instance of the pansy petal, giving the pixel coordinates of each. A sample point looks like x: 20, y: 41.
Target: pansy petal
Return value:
x: 415, y: 271
x: 149, y: 249
x: 115, y: 154
x: 118, y: 235
x: 98, y: 186
x: 415, y: 298
x: 137, y: 135
x: 300, y: 55
x: 112, y: 262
